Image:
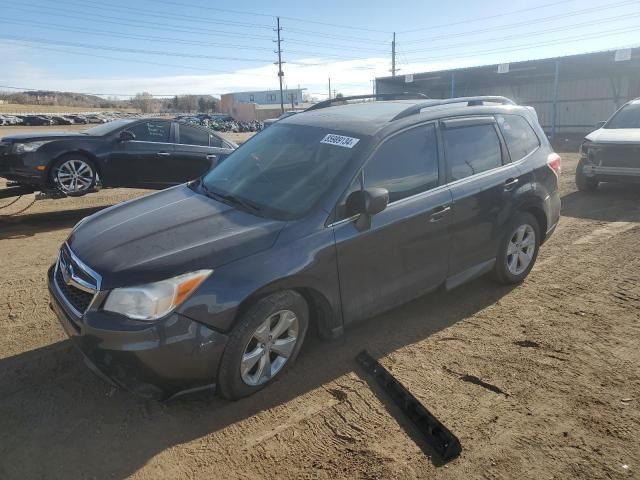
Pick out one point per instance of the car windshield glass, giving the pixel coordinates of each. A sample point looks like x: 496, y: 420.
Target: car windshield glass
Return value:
x: 106, y: 128
x: 628, y: 117
x: 284, y: 171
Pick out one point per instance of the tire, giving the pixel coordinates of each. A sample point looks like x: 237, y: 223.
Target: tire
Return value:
x: 504, y: 271
x: 584, y: 183
x: 85, y: 170
x: 243, y: 342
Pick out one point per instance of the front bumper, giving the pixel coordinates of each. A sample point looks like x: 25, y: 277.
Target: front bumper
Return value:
x: 22, y: 167
x: 159, y: 360
x: 604, y: 173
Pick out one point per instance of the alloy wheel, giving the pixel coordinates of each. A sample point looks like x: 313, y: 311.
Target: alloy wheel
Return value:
x: 521, y: 249
x: 269, y: 348
x: 74, y: 176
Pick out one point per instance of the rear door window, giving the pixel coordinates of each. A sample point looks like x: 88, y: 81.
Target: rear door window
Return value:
x: 470, y: 150
x: 406, y: 164
x: 520, y: 138
x: 152, y: 131
x: 193, y: 136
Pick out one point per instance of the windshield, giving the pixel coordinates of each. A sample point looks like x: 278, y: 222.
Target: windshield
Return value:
x: 106, y: 128
x: 284, y: 171
x: 627, y: 117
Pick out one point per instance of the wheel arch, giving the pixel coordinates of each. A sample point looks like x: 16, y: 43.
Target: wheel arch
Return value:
x: 322, y: 316
x: 85, y: 153
x: 537, y: 210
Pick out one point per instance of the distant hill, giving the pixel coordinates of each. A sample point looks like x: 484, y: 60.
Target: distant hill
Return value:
x: 69, y: 99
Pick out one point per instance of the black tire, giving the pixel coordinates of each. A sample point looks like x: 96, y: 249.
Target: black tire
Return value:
x: 584, y: 183
x: 501, y: 273
x: 230, y: 383
x: 62, y: 160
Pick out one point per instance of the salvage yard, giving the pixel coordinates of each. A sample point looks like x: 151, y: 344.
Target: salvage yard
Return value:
x: 538, y: 381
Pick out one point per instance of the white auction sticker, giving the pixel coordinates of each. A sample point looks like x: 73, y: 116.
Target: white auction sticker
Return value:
x: 340, y: 140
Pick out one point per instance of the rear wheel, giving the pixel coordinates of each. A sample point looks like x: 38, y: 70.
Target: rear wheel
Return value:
x: 584, y: 183
x: 518, y: 250
x: 264, y: 344
x: 73, y: 175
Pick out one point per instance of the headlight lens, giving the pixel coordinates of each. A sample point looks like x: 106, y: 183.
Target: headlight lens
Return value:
x: 30, y: 147
x: 154, y: 300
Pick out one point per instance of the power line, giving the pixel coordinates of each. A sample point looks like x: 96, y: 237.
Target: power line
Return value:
x: 489, y: 17
x: 141, y: 24
x: 88, y: 4
x: 132, y: 50
x: 533, y: 45
x: 523, y: 23
x: 63, y: 28
x: 179, y: 67
x: 519, y: 35
x: 244, y: 12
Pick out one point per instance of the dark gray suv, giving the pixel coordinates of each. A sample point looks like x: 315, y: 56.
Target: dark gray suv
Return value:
x: 327, y: 217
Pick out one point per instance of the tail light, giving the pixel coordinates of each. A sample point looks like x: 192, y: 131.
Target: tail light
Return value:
x: 555, y: 163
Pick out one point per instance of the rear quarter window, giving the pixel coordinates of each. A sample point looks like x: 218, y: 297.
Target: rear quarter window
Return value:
x: 520, y: 138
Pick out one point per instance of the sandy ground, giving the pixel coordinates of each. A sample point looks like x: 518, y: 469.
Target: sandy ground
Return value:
x: 562, y: 347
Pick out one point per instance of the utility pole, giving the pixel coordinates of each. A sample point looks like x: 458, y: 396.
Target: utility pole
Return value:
x: 393, y: 55
x: 279, y: 63
x: 329, y: 88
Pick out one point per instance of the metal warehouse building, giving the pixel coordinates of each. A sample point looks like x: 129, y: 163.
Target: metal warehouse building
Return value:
x: 571, y: 94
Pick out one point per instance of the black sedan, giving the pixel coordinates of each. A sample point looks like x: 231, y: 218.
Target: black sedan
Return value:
x: 141, y: 153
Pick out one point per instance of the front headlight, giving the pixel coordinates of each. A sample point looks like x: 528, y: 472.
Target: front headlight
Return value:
x: 154, y: 300
x: 30, y: 147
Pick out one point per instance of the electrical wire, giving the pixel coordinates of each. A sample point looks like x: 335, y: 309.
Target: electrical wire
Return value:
x: 523, y: 23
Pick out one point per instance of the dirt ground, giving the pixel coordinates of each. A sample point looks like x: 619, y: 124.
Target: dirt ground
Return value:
x: 562, y: 347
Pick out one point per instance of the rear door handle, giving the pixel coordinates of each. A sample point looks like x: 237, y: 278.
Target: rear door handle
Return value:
x: 439, y: 213
x: 212, y: 157
x: 510, y: 183
x: 164, y: 154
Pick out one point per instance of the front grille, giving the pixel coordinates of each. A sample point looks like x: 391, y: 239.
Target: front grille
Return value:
x: 76, y: 283
x: 78, y: 299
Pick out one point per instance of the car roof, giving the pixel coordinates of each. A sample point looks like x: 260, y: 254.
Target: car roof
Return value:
x: 373, y: 118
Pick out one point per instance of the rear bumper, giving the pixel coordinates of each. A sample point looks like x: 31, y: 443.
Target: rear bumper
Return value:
x: 156, y: 360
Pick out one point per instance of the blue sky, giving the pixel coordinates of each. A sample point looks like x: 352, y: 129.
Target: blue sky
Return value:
x: 169, y: 47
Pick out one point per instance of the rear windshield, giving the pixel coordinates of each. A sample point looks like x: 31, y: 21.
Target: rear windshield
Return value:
x: 285, y: 169
x: 627, y: 117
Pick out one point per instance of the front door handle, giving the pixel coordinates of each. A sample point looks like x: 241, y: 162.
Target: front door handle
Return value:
x: 439, y: 213
x: 164, y: 154
x: 510, y: 183
x: 212, y: 157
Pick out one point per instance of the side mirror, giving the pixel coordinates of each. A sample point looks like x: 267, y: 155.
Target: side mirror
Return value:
x: 600, y: 124
x: 367, y: 203
x: 126, y: 136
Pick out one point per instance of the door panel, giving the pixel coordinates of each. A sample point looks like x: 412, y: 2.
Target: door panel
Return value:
x: 196, y: 152
x: 482, y: 189
x: 402, y: 256
x: 404, y: 253
x: 140, y: 162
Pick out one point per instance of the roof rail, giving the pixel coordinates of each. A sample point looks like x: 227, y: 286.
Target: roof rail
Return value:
x: 470, y: 101
x: 377, y: 96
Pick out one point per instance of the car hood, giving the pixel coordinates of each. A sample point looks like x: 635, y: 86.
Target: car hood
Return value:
x: 615, y: 135
x: 21, y: 137
x: 166, y: 234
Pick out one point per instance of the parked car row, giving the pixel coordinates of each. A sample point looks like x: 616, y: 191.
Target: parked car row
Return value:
x: 221, y: 123
x: 63, y: 119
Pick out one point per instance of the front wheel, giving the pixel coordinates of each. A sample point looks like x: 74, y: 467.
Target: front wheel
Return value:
x: 584, y: 183
x: 264, y: 344
x: 73, y: 175
x: 518, y: 250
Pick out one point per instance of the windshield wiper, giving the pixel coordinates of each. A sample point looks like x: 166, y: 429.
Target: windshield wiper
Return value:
x: 231, y: 199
